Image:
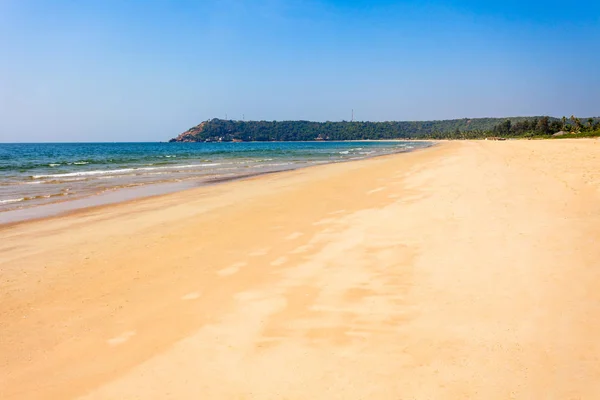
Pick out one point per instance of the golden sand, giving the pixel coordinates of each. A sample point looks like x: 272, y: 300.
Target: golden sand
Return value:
x: 468, y: 270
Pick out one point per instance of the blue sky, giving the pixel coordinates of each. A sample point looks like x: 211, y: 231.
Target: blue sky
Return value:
x: 147, y: 70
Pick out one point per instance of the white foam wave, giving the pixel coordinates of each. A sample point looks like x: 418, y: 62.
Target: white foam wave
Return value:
x: 6, y: 201
x: 272, y: 165
x: 120, y: 171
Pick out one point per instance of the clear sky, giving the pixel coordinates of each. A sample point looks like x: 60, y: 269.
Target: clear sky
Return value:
x: 147, y: 70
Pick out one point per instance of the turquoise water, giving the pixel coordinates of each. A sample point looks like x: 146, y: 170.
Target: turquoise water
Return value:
x: 36, y: 174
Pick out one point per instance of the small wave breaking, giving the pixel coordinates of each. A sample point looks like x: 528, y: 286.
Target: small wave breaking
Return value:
x: 119, y: 171
x: 8, y: 201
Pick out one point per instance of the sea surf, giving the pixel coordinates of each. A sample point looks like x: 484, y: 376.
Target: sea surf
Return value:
x: 33, y: 175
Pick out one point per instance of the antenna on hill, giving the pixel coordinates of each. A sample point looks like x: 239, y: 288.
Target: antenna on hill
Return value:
x: 243, y: 117
x: 225, y: 116
x: 352, y: 119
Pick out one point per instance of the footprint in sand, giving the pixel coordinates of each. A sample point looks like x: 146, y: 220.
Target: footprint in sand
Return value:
x: 279, y: 261
x: 294, y: 235
x: 259, y: 252
x: 300, y: 249
x: 249, y: 296
x: 324, y: 221
x: 375, y: 190
x: 232, y: 269
x: 122, y: 338
x: 337, y: 212
x: 191, y: 296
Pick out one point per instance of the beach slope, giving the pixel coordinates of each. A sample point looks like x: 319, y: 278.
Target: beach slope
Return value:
x: 466, y: 270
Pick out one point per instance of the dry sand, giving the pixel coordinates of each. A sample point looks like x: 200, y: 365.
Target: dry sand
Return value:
x: 469, y: 270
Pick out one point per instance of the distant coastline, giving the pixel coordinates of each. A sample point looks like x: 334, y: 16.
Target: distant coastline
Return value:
x: 219, y: 130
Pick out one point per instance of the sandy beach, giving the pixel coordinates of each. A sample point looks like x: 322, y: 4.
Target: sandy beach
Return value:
x: 469, y: 270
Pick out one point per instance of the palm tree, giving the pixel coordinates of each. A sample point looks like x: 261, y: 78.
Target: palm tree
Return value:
x: 576, y: 122
x: 564, y: 121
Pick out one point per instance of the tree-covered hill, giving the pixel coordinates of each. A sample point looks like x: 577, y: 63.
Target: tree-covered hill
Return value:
x: 466, y: 128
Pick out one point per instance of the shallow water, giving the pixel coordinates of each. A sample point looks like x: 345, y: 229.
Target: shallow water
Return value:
x: 40, y: 174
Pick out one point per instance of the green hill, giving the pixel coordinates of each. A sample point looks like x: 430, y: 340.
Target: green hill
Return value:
x: 231, y: 130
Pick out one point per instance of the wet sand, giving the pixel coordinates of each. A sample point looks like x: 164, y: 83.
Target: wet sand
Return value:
x: 467, y: 270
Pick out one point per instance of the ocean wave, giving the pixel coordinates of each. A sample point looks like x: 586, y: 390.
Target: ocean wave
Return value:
x: 34, y: 165
x: 120, y: 171
x: 251, y: 160
x: 344, y: 152
x: 46, y: 196
x: 67, y: 180
x: 7, y: 201
x: 272, y: 165
x: 42, y: 196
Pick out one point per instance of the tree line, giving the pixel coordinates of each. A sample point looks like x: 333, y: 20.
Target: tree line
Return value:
x: 546, y: 126
x: 475, y: 128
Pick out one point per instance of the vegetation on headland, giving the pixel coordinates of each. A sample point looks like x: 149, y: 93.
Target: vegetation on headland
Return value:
x: 218, y: 130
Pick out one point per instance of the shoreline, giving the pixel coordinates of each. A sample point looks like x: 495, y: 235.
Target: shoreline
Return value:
x: 126, y: 194
x: 432, y: 274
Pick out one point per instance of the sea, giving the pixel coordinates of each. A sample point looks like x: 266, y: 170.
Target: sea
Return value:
x: 44, y: 179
